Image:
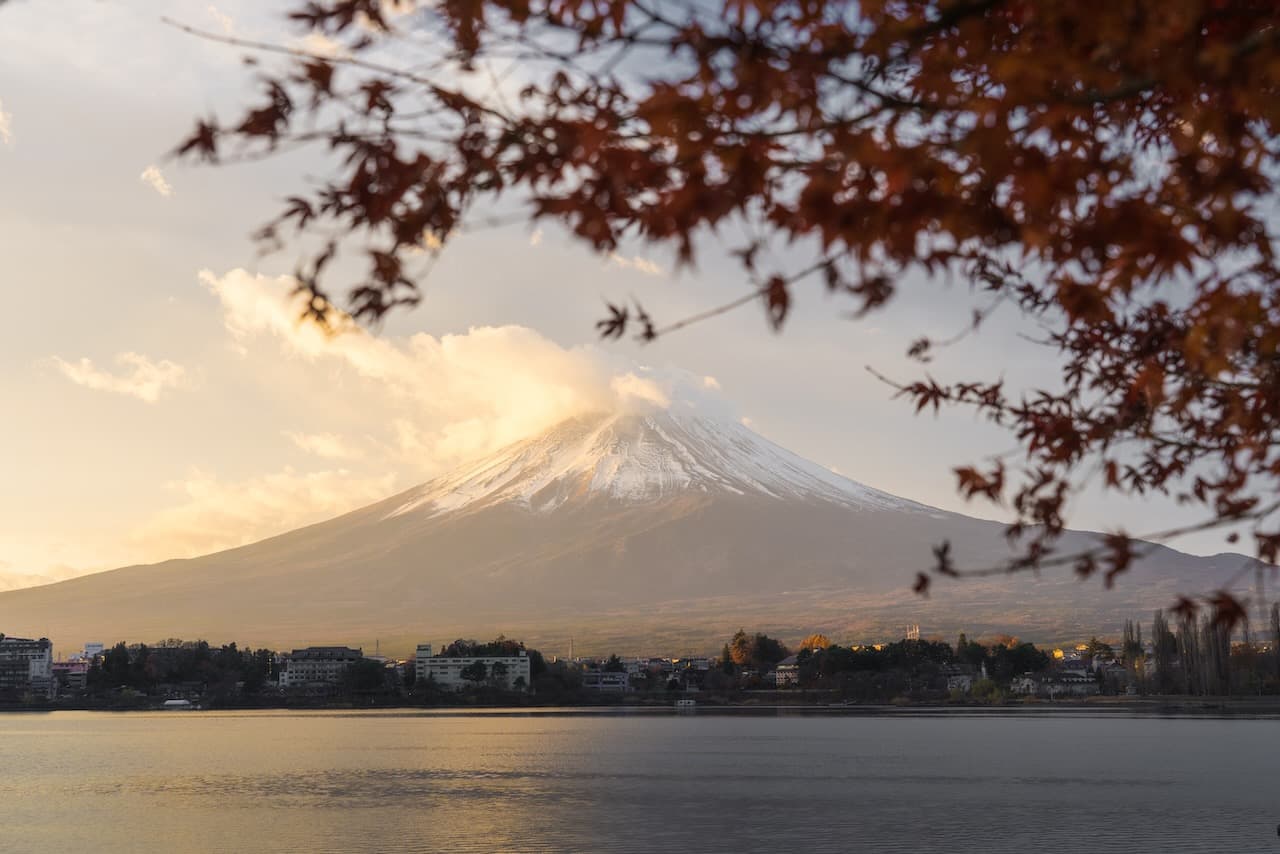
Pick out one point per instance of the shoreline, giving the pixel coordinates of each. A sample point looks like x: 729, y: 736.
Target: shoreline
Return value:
x: 1222, y: 707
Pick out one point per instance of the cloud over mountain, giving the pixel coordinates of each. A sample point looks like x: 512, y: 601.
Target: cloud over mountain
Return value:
x: 437, y: 401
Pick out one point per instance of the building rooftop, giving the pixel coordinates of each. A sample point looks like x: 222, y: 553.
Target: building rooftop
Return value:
x: 327, y: 652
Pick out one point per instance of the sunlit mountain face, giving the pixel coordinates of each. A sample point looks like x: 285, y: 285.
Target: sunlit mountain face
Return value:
x: 642, y: 459
x: 629, y: 532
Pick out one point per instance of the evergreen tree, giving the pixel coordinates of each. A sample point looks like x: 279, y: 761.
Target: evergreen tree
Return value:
x: 475, y: 672
x: 1165, y: 649
x: 726, y: 661
x: 1275, y: 639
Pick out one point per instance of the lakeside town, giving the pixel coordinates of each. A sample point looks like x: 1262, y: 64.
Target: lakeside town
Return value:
x: 1189, y: 659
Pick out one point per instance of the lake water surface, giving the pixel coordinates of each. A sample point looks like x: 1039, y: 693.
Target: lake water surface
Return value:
x: 604, y: 782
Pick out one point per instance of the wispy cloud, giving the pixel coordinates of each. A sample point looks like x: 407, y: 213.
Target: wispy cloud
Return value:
x: 326, y: 445
x: 536, y: 237
x: 215, y: 514
x: 224, y: 20
x: 635, y: 262
x: 6, y: 126
x: 317, y: 43
x: 141, y: 377
x: 153, y: 177
x: 12, y: 580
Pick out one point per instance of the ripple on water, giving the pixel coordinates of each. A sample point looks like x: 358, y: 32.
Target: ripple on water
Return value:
x: 462, y: 783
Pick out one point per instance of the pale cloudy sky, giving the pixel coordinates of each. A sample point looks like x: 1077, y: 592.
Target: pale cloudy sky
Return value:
x: 159, y: 401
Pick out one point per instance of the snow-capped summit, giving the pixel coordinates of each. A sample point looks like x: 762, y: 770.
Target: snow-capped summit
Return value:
x: 641, y: 458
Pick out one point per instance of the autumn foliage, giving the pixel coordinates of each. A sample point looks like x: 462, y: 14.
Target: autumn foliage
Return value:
x: 815, y: 641
x: 1106, y: 169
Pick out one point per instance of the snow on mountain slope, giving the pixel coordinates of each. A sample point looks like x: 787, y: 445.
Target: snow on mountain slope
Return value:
x: 641, y: 458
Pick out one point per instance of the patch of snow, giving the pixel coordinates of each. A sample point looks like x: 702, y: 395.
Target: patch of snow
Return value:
x: 641, y: 458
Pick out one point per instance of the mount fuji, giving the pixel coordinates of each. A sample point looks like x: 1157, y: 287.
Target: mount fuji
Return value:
x: 627, y: 532
x: 641, y: 459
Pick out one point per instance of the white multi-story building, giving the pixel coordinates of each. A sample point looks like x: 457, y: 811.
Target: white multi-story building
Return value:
x: 420, y: 659
x: 26, y: 666
x: 510, y: 672
x: 317, y: 664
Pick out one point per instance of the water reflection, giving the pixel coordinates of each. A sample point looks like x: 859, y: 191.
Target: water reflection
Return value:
x: 639, y: 782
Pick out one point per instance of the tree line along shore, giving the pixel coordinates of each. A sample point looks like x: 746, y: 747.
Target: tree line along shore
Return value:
x: 1190, y: 664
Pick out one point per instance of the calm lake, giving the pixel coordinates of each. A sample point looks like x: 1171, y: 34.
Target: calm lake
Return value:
x: 574, y: 781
